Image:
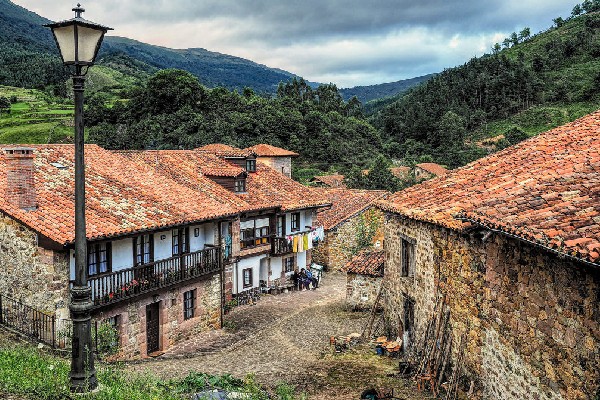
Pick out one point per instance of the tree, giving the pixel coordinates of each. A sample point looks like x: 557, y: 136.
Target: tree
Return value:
x: 514, y: 38
x: 524, y: 34
x: 558, y: 21
x: 4, y: 104
x: 380, y: 177
x: 496, y: 49
x: 577, y: 10
x: 171, y: 89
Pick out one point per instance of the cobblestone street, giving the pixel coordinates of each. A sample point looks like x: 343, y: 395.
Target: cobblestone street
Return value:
x: 286, y: 338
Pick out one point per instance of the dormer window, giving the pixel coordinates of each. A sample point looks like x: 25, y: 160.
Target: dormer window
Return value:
x: 251, y: 165
x: 240, y: 185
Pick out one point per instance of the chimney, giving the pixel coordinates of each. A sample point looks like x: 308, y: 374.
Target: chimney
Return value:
x: 20, y: 184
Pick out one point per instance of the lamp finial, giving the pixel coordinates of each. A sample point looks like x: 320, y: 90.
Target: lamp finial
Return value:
x: 78, y: 10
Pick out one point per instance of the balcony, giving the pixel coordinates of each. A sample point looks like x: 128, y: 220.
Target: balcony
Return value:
x: 280, y: 246
x: 128, y: 283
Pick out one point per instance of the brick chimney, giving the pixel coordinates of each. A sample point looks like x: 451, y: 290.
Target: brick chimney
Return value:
x: 20, y: 185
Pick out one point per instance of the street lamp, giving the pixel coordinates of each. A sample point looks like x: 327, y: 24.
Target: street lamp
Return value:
x: 79, y: 41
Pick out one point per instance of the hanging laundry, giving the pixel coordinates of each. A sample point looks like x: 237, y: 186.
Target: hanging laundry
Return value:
x: 305, y: 241
x: 300, y: 244
x: 295, y: 244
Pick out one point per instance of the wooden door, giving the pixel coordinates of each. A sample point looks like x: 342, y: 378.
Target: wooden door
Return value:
x: 152, y: 328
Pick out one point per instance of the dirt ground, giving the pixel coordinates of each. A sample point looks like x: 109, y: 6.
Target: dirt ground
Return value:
x: 286, y: 338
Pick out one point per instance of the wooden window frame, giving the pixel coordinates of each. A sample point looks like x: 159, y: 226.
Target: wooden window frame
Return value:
x: 180, y: 241
x: 295, y: 222
x: 280, y: 225
x: 407, y: 258
x: 251, y: 165
x: 287, y: 265
x: 251, y: 237
x: 94, y: 251
x: 239, y: 185
x: 139, y: 243
x: 189, y: 304
x: 249, y: 272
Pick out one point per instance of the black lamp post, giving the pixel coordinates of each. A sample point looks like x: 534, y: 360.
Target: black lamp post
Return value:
x: 79, y: 41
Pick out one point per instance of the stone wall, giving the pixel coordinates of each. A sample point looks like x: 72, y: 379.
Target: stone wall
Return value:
x: 362, y: 290
x: 34, y: 275
x: 532, y: 319
x: 337, y: 248
x: 279, y: 164
x: 173, y: 327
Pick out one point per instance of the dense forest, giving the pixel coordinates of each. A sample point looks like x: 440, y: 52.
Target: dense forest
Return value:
x: 173, y: 110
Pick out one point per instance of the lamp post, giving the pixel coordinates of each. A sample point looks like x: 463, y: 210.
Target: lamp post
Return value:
x: 79, y: 41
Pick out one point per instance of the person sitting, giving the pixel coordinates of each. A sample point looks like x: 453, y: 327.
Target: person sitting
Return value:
x: 313, y: 278
x: 309, y: 279
x: 302, y: 279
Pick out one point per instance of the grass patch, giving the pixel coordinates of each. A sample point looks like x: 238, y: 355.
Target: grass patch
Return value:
x: 30, y: 373
x: 45, y: 132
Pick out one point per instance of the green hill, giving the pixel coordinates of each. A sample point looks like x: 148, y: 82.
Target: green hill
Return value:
x: 382, y: 90
x: 530, y: 86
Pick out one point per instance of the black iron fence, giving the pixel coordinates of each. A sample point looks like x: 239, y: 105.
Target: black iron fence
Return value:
x: 127, y: 283
x: 34, y: 324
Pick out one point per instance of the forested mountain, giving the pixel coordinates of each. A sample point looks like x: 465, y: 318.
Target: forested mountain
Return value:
x: 528, y: 85
x: 382, y: 90
x: 28, y: 58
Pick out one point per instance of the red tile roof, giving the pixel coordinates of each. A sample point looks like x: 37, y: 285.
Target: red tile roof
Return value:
x: 266, y: 150
x: 224, y: 150
x: 367, y: 263
x: 545, y: 190
x: 345, y: 204
x: 433, y: 168
x: 335, y: 180
x: 121, y: 197
x: 265, y: 188
x: 269, y: 185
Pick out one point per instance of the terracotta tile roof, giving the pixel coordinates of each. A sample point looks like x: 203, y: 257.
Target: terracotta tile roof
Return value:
x: 265, y: 188
x: 345, y: 204
x: 367, y: 263
x: 266, y: 150
x: 545, y: 190
x: 269, y: 185
x: 335, y: 180
x: 224, y: 150
x: 433, y: 168
x: 121, y: 197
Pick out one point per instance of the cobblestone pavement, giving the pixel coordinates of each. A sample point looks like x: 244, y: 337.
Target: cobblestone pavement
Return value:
x: 285, y: 338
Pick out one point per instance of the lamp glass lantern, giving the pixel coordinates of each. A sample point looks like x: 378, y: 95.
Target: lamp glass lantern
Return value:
x: 78, y: 40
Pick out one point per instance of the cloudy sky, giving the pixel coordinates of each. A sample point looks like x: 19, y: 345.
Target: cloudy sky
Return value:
x: 348, y: 42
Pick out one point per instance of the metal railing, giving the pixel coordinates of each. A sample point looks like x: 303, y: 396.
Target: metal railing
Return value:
x: 34, y: 324
x: 280, y: 246
x: 113, y: 287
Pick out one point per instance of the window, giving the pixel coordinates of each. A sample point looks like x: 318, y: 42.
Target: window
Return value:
x: 240, y: 185
x: 251, y: 165
x: 98, y: 258
x: 188, y: 304
x: 262, y: 235
x: 289, y: 264
x: 247, y: 277
x: 408, y: 258
x: 295, y: 222
x: 143, y: 249
x: 181, y: 243
x: 281, y: 225
x: 250, y: 235
x: 247, y: 237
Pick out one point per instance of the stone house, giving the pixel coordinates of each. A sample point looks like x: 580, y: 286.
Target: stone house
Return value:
x: 351, y: 218
x: 163, y: 229
x: 329, y: 181
x: 426, y: 171
x: 510, y: 246
x: 275, y: 157
x: 364, y: 274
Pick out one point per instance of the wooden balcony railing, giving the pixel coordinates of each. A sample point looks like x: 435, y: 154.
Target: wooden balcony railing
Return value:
x: 131, y: 282
x: 280, y: 246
